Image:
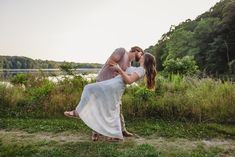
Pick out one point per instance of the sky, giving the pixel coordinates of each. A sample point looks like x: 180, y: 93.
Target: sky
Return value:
x: 88, y: 30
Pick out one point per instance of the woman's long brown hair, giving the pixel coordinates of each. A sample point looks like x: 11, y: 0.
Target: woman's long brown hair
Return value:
x: 150, y: 70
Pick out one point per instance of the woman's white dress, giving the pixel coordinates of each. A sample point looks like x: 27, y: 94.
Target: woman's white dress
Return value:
x: 99, y: 106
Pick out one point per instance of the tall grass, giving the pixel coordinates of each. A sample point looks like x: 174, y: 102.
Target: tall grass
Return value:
x: 183, y: 98
x: 39, y: 97
x: 176, y: 97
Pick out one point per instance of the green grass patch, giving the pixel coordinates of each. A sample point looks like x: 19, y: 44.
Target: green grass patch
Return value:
x: 141, y: 127
x: 148, y: 127
x: 201, y: 151
x: 105, y: 149
x: 81, y: 149
x: 46, y: 125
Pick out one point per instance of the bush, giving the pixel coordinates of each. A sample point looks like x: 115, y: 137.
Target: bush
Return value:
x: 19, y: 79
x: 184, y: 66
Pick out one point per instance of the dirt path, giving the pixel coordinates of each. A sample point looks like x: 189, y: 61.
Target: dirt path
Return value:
x: 162, y: 143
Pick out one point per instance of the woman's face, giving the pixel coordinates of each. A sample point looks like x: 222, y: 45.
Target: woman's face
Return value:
x: 141, y: 59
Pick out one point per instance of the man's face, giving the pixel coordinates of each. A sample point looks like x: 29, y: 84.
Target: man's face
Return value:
x: 138, y: 56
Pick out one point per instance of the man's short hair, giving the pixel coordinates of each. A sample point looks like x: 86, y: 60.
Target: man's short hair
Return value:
x: 136, y: 48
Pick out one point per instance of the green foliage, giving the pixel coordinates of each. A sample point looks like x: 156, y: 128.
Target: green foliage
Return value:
x: 67, y: 68
x: 175, y: 97
x: 180, y: 44
x: 210, y: 38
x: 39, y: 93
x: 36, y: 96
x: 19, y: 79
x: 16, y: 62
x: 183, y: 98
x: 185, y: 66
x: 137, y: 100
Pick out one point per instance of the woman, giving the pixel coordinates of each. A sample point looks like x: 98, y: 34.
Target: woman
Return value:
x: 99, y: 103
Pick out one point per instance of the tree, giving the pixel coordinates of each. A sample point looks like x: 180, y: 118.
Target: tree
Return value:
x: 210, y: 38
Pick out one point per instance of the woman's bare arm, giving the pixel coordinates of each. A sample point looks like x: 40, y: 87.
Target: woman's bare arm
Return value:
x: 128, y: 79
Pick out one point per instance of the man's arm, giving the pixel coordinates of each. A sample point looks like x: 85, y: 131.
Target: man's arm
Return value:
x: 116, y: 56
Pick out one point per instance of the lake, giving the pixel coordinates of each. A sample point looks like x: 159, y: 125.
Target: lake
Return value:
x: 6, y: 73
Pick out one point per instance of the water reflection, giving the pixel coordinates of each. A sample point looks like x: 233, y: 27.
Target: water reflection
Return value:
x: 7, y: 73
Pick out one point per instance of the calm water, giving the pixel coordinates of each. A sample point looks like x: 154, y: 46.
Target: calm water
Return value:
x: 6, y: 73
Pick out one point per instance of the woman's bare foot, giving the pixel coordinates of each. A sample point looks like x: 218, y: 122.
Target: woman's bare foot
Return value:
x: 71, y: 114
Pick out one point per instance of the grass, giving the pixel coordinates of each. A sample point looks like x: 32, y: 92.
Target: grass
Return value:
x: 39, y: 125
x: 142, y: 127
x: 176, y: 98
x: 102, y: 149
x: 176, y: 129
x: 151, y: 130
x: 81, y: 149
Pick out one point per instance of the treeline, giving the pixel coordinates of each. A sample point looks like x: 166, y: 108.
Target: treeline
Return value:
x: 16, y: 62
x: 209, y: 40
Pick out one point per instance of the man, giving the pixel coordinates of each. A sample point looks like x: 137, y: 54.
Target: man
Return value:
x: 123, y: 58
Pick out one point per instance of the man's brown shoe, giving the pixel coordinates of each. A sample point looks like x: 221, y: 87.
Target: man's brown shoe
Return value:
x: 94, y: 136
x: 127, y: 134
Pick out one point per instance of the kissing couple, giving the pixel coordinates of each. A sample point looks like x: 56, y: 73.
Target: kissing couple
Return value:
x: 100, y: 102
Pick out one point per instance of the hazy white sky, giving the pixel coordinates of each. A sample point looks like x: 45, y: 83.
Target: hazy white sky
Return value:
x: 88, y: 30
